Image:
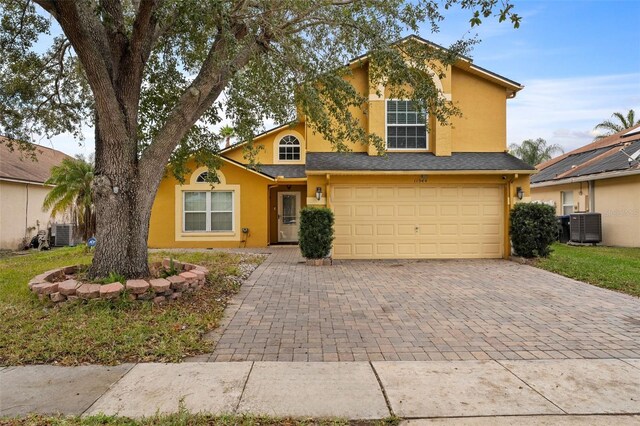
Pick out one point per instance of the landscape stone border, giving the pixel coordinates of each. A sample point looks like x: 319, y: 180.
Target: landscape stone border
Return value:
x: 59, y: 285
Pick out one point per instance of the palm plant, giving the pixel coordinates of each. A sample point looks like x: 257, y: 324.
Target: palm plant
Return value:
x: 72, y: 192
x: 536, y: 151
x: 227, y: 132
x: 623, y: 122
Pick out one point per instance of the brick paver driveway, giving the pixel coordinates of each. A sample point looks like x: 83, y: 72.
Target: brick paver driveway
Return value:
x: 422, y: 310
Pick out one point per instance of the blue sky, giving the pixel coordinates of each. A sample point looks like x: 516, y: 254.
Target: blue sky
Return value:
x: 579, y: 61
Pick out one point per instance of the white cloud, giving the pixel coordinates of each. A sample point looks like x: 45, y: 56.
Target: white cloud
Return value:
x: 564, y: 111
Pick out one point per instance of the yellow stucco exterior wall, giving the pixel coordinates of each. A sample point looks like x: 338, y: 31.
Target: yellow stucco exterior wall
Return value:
x: 482, y: 128
x: 252, y: 206
x: 483, y: 125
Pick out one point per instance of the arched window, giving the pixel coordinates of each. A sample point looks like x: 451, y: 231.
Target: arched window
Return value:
x: 202, y: 177
x: 289, y: 148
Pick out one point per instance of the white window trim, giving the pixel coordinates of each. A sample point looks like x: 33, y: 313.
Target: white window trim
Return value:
x: 292, y: 160
x: 564, y: 204
x: 275, y: 145
x: 386, y: 127
x: 221, y: 236
x: 208, y: 212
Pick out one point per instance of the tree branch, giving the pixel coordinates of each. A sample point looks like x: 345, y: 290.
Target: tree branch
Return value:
x: 88, y: 38
x: 199, y: 96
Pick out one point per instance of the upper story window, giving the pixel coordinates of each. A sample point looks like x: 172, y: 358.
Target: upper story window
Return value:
x: 202, y: 177
x: 289, y: 148
x: 406, y: 125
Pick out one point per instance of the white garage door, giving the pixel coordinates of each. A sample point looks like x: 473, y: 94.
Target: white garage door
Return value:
x: 398, y: 221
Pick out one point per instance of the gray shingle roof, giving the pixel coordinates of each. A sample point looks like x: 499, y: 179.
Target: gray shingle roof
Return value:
x: 411, y: 161
x: 285, y: 170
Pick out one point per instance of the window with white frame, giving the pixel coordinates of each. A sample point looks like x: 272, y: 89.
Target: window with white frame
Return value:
x: 202, y: 177
x: 406, y: 125
x: 208, y: 211
x: 289, y: 148
x: 567, y: 202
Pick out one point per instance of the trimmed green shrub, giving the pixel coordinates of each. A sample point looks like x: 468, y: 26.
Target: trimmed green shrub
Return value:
x: 316, y: 232
x: 533, y: 227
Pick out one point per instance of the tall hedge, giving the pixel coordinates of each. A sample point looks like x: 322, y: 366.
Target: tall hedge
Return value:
x: 533, y: 227
x: 316, y: 232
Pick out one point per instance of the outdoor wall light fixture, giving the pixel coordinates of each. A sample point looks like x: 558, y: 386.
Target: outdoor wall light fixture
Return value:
x: 519, y: 193
x: 318, y: 193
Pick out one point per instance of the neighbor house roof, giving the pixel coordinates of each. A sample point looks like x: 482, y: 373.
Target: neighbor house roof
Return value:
x: 605, y: 157
x: 414, y: 161
x: 20, y: 167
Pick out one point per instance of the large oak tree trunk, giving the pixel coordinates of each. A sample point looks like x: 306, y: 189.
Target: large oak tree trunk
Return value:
x: 123, y: 203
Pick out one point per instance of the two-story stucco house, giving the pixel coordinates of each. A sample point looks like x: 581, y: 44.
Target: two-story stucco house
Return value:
x: 438, y: 192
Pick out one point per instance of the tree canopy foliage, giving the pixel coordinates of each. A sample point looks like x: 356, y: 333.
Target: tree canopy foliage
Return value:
x: 535, y: 151
x: 618, y: 123
x: 153, y: 77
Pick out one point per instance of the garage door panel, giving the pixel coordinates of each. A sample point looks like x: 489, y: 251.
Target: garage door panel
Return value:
x: 385, y: 211
x: 385, y: 230
x: 364, y: 193
x: 404, y: 211
x: 364, y: 230
x: 406, y: 249
x: 449, y: 229
x: 363, y: 211
x: 342, y: 193
x: 342, y: 250
x: 491, y: 210
x: 342, y: 230
x: 385, y: 193
x: 363, y: 249
x: 449, y: 249
x: 469, y: 249
x: 427, y: 229
x: 491, y: 229
x: 341, y: 210
x: 427, y: 193
x: 427, y: 210
x: 428, y: 249
x: 448, y: 210
x: 449, y: 192
x: 474, y: 193
x: 470, y: 229
x: 385, y: 249
x: 407, y: 221
x: 470, y: 210
x: 492, y: 249
x: 404, y: 229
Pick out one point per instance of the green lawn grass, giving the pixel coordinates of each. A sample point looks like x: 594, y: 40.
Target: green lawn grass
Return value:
x: 108, y: 332
x: 615, y: 268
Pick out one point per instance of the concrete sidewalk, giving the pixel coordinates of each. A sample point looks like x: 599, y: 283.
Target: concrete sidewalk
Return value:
x: 460, y: 392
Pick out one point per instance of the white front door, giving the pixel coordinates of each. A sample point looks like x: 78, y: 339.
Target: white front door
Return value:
x: 288, y: 216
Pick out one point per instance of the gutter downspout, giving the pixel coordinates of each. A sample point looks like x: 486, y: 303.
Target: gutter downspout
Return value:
x: 26, y: 215
x: 592, y: 196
